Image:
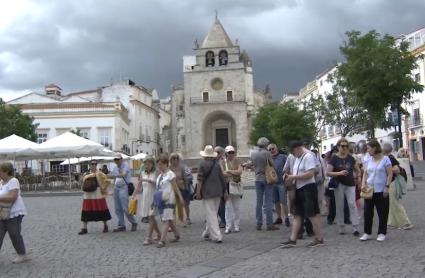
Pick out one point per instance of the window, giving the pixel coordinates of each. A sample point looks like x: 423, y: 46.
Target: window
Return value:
x: 418, y: 77
x: 85, y: 133
x: 223, y: 58
x: 104, y: 136
x: 42, y: 136
x: 229, y: 95
x: 205, y: 97
x: 416, y: 116
x: 209, y: 59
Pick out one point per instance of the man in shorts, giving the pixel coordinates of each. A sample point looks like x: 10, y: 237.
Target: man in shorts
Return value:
x: 306, y: 202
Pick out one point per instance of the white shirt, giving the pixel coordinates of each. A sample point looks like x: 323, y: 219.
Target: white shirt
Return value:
x: 302, y: 165
x: 18, y: 208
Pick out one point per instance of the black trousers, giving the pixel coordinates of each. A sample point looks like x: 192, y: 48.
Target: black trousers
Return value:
x: 222, y: 211
x: 332, y: 208
x: 382, y: 207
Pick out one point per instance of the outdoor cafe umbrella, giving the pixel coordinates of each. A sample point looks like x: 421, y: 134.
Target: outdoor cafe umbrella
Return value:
x: 15, y: 147
x: 69, y: 145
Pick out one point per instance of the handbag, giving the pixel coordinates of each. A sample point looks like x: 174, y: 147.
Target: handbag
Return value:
x: 90, y: 184
x: 130, y: 186
x: 132, y: 206
x: 270, y: 172
x: 368, y: 192
x: 5, y: 210
x: 235, y: 188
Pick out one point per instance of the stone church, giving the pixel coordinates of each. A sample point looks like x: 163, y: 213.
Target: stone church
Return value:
x: 218, y: 100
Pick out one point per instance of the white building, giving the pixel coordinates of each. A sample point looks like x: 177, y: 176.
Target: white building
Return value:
x: 217, y: 101
x: 121, y: 116
x: 414, y: 127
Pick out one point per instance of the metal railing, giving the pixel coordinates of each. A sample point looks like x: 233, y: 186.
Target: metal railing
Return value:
x: 216, y: 99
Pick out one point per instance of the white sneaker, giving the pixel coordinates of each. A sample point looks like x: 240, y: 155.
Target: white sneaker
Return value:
x: 227, y: 231
x: 237, y: 230
x: 381, y: 237
x: 365, y: 237
x: 20, y: 259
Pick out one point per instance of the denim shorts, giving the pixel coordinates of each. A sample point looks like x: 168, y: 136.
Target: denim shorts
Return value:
x: 279, y: 194
x: 306, y: 201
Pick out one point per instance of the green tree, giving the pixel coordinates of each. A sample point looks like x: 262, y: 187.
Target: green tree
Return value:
x: 316, y: 110
x: 377, y: 73
x: 76, y: 132
x: 342, y: 110
x: 281, y: 123
x: 13, y: 121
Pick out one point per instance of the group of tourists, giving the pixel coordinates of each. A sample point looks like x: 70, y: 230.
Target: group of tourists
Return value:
x: 293, y: 185
x: 343, y: 176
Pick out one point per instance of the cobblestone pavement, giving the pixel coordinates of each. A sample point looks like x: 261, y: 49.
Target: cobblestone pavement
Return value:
x: 50, y: 232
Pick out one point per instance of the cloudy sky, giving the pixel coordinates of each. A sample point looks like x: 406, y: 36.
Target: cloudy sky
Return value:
x: 81, y: 45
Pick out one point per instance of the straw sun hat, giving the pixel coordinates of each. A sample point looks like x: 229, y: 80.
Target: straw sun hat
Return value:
x: 208, y: 152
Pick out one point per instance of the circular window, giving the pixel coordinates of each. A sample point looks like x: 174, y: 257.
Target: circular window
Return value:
x: 217, y: 84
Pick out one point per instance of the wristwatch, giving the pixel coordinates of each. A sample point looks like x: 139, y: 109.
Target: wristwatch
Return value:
x: 387, y: 186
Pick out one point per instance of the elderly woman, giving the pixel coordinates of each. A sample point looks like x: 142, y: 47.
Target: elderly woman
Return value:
x: 397, y: 217
x: 378, y: 175
x: 211, y: 187
x: 165, y: 199
x: 232, y: 173
x: 94, y: 209
x: 176, y: 165
x: 12, y: 210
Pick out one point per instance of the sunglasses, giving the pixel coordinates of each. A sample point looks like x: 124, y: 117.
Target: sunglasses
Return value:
x: 343, y: 146
x: 271, y: 149
x: 231, y: 152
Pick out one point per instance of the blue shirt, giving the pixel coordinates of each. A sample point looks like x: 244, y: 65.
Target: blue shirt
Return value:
x: 279, y: 162
x: 123, y: 168
x: 377, y: 173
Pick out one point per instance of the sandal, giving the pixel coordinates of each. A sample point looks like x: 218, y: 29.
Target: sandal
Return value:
x: 147, y: 241
x: 160, y: 244
x: 176, y: 239
x: 157, y: 238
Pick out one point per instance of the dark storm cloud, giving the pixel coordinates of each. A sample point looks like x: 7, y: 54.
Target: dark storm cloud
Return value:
x: 84, y: 44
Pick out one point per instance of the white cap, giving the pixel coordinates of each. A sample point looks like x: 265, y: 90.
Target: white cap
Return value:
x: 229, y: 149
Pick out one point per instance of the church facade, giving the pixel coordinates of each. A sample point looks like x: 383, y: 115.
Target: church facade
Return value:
x: 218, y: 100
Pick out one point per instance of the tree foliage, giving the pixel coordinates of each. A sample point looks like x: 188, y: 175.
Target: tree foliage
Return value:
x: 316, y: 110
x: 281, y: 123
x: 377, y: 73
x: 342, y: 111
x: 13, y: 121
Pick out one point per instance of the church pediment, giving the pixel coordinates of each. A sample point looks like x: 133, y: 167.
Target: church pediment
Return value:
x: 34, y: 98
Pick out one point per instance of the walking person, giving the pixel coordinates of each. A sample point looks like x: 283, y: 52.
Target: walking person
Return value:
x: 280, y: 197
x: 232, y: 173
x: 306, y: 200
x: 165, y: 197
x: 264, y: 192
x: 12, y: 211
x: 176, y: 165
x: 122, y: 175
x: 397, y: 216
x: 211, y: 188
x: 95, y: 208
x: 342, y: 167
x: 147, y: 186
x: 222, y: 207
x: 377, y: 175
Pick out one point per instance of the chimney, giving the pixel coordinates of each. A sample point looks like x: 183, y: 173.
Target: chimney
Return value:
x: 53, y: 90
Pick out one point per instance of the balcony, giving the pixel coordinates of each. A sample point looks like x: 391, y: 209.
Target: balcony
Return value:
x: 415, y: 122
x: 216, y: 99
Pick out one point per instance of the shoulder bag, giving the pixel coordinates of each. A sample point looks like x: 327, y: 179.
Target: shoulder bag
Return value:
x: 270, y: 172
x: 5, y: 210
x: 90, y: 184
x: 130, y: 186
x: 235, y: 185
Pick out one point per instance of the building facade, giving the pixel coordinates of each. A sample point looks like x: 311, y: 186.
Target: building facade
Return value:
x: 218, y: 100
x: 121, y: 116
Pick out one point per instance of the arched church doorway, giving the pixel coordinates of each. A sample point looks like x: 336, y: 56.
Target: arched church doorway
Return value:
x: 219, y: 129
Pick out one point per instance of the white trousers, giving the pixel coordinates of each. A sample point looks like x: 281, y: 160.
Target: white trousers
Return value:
x: 232, y: 212
x: 211, y: 208
x: 350, y: 193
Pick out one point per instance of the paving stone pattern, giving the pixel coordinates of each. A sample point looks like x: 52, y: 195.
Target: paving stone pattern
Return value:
x: 50, y: 232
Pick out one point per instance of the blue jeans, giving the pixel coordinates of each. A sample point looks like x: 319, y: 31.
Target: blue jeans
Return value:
x: 264, y: 194
x: 121, y: 205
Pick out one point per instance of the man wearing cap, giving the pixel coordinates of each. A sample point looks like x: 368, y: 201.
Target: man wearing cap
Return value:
x: 122, y: 175
x: 264, y: 192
